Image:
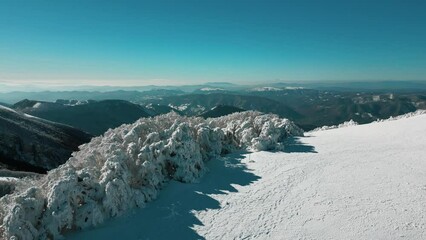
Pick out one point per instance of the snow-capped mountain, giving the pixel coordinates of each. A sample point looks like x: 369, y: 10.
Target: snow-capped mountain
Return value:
x: 33, y: 144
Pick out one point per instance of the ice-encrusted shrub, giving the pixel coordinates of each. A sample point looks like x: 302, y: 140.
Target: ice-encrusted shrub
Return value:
x: 127, y: 166
x: 255, y: 131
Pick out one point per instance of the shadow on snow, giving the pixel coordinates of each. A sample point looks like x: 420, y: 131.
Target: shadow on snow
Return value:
x: 295, y: 145
x: 171, y: 216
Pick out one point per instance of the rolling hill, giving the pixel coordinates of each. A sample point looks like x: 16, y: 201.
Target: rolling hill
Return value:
x: 29, y: 143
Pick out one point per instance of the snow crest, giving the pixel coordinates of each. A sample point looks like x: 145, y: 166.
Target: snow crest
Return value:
x: 407, y: 115
x: 128, y: 166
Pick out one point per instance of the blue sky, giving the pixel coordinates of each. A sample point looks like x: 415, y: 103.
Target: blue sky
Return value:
x: 183, y: 42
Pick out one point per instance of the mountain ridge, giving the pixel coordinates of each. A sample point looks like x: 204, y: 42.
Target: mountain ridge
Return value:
x: 29, y: 143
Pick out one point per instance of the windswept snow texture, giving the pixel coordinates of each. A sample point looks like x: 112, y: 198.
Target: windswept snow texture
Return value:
x: 358, y: 182
x: 128, y: 166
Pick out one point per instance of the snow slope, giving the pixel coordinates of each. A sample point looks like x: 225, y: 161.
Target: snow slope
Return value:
x: 359, y: 182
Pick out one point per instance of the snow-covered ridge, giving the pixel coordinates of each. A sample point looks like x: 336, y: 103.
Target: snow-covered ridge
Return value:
x: 407, y: 115
x: 353, y: 123
x: 127, y: 167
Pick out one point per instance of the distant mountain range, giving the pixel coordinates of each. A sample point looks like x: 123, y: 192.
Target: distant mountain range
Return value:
x: 196, y: 104
x: 310, y: 108
x: 29, y: 143
x: 320, y: 108
x: 12, y: 95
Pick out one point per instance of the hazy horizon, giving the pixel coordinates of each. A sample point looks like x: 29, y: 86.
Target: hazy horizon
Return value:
x: 396, y: 85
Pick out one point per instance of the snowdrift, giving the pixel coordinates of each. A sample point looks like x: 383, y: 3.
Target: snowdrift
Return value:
x: 127, y: 167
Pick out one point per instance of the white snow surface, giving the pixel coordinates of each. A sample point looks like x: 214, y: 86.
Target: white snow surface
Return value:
x: 128, y: 166
x: 358, y: 182
x: 37, y: 105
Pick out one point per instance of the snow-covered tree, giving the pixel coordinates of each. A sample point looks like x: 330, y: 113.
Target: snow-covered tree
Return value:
x: 127, y: 167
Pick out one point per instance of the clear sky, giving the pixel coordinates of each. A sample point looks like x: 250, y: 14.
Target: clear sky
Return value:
x: 178, y: 42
